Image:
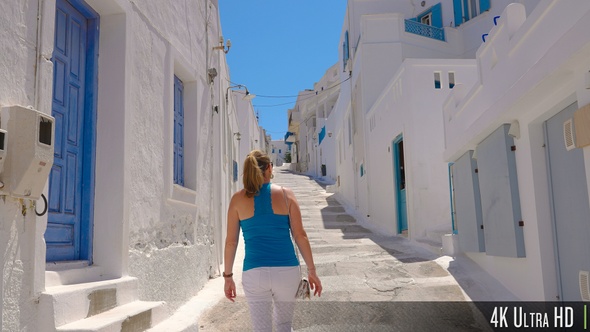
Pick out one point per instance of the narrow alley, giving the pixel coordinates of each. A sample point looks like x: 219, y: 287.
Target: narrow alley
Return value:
x: 371, y: 282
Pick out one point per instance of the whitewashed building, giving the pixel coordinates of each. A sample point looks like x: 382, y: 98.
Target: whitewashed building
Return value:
x: 144, y: 145
x: 449, y: 130
x: 278, y: 151
x: 317, y: 145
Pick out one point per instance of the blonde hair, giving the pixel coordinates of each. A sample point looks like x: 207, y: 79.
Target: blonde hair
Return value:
x: 256, y: 163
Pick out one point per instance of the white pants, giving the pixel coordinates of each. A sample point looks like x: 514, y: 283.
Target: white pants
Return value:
x: 271, y: 289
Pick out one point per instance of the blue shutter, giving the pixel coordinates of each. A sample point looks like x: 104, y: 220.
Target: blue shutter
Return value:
x: 178, y: 132
x: 499, y: 193
x: 322, y: 134
x: 458, y: 12
x: 484, y: 5
x: 466, y: 12
x: 345, y: 51
x: 437, y: 16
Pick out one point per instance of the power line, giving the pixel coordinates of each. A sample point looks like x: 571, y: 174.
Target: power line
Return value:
x: 303, y: 99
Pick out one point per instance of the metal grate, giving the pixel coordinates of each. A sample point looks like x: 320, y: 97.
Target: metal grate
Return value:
x: 585, y: 285
x: 568, y: 135
x: 425, y: 30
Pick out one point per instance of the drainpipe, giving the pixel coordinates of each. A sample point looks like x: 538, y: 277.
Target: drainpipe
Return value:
x: 451, y: 198
x: 36, y: 82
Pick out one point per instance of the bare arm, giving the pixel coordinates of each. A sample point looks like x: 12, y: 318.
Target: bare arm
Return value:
x: 300, y: 237
x: 231, y: 244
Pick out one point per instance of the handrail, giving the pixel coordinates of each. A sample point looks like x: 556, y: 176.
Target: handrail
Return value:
x: 425, y: 30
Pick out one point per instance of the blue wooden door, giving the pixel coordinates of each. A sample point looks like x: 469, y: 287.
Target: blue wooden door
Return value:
x: 570, y: 207
x: 400, y: 184
x: 68, y: 233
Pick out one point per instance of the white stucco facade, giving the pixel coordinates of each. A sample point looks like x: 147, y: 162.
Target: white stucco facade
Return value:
x: 278, y: 150
x: 443, y: 98
x: 154, y: 241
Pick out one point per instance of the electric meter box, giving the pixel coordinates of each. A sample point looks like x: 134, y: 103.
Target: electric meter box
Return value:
x: 29, y: 151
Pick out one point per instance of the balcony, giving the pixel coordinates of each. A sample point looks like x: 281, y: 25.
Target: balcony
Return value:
x: 425, y: 30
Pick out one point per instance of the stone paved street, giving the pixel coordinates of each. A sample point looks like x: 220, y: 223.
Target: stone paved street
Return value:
x: 371, y: 282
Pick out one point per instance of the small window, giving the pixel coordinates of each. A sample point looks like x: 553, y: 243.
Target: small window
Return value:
x: 280, y: 151
x: 437, y: 80
x: 345, y: 51
x: 451, y: 80
x: 178, y: 131
x: 426, y: 19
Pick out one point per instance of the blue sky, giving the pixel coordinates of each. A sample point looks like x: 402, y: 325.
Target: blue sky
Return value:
x: 279, y: 48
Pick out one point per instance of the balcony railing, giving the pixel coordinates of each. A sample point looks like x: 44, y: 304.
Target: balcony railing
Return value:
x: 425, y: 30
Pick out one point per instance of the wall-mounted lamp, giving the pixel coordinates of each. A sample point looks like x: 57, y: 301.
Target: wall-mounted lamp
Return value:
x: 238, y: 136
x: 224, y: 48
x: 329, y: 134
x: 247, y: 96
x: 514, y: 129
x: 212, y: 73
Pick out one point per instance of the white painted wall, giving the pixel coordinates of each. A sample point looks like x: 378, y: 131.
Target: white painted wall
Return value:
x: 278, y: 149
x: 534, y: 72
x: 144, y: 225
x: 403, y: 109
x: 26, y: 46
x: 250, y: 133
x: 493, y: 86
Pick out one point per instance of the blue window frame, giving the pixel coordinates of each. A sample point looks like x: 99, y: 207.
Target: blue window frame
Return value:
x: 178, y: 132
x: 467, y: 9
x: 432, y: 16
x: 345, y: 51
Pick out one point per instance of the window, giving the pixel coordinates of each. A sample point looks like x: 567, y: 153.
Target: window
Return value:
x: 468, y: 9
x: 451, y: 80
x: 280, y: 151
x: 432, y: 16
x: 345, y: 51
x: 426, y: 19
x: 178, y: 131
x: 437, y: 80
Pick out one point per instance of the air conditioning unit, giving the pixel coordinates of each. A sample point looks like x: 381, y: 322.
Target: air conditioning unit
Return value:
x: 569, y: 135
x: 585, y: 285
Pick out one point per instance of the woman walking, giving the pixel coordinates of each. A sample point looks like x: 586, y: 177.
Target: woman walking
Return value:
x: 271, y: 272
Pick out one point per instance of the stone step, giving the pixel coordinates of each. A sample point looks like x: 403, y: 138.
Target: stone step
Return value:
x: 132, y: 317
x: 60, y: 305
x: 431, y: 245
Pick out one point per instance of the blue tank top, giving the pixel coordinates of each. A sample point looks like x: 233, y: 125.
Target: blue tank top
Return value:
x: 267, y: 235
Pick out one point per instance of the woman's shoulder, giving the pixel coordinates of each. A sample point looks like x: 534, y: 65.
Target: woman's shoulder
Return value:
x: 239, y: 195
x: 280, y: 190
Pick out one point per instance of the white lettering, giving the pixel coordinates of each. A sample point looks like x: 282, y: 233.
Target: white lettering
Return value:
x: 499, y: 317
x: 563, y: 318
x: 518, y: 317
